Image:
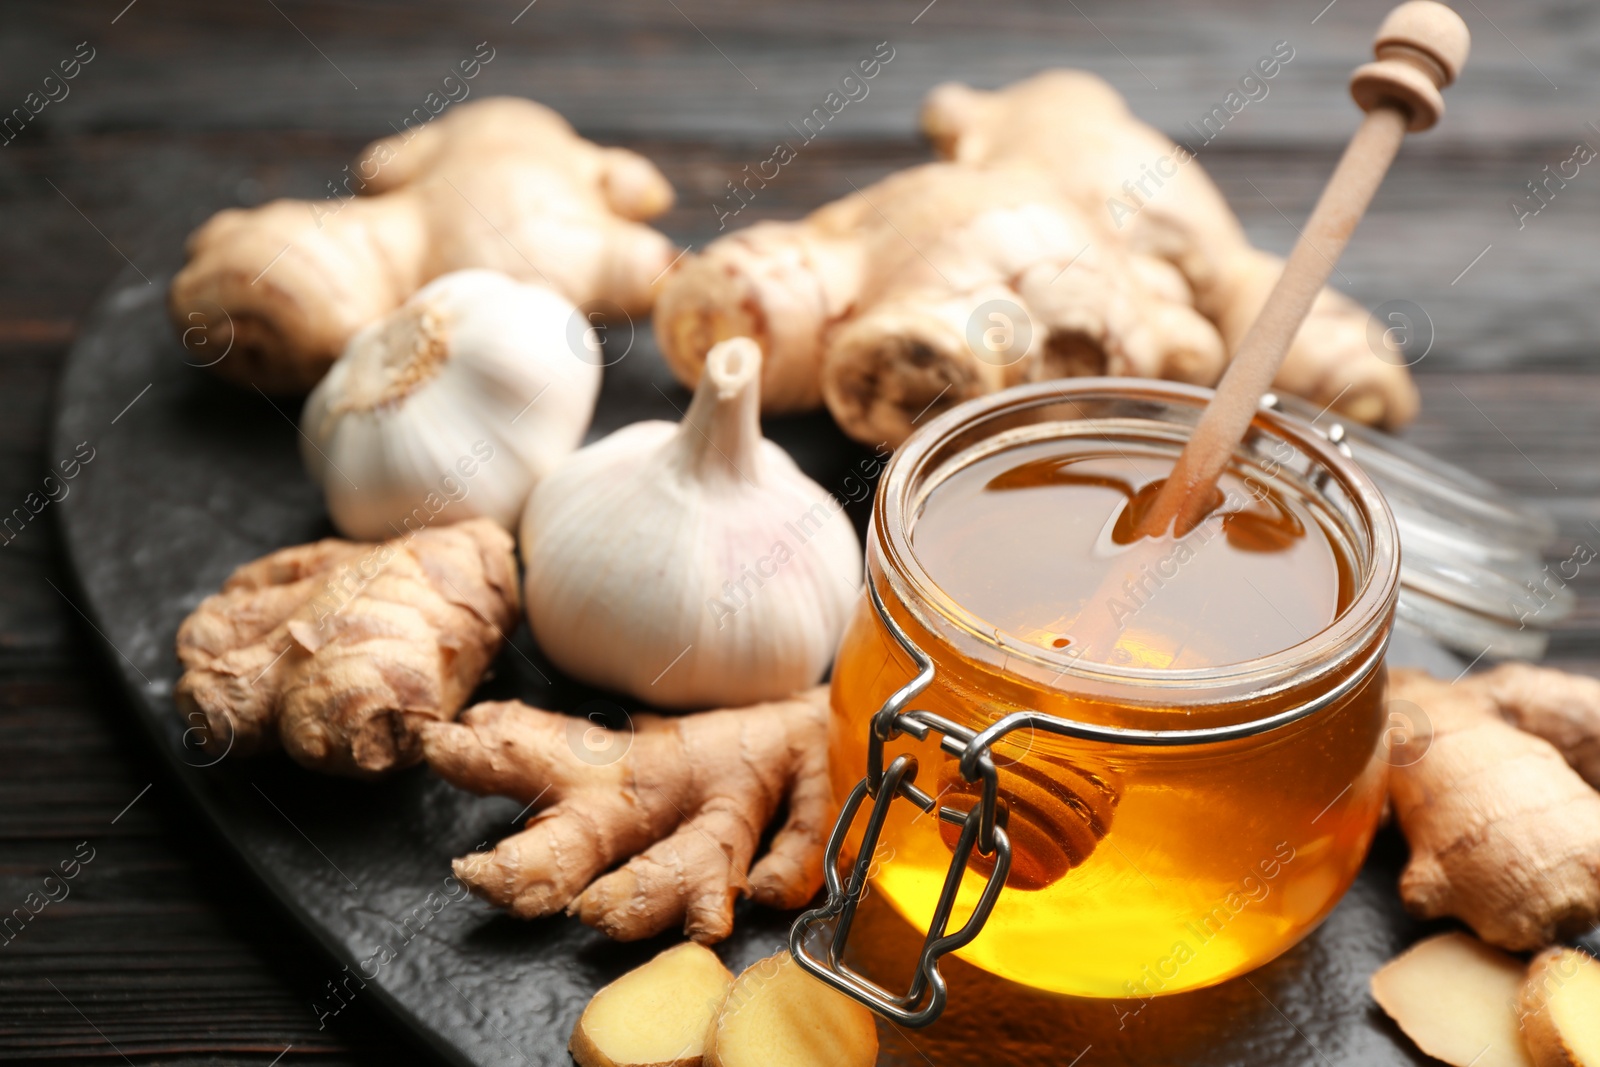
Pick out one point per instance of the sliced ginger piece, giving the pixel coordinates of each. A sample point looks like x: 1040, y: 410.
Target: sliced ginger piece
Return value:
x: 1456, y: 998
x: 656, y: 1015
x: 778, y: 1016
x: 1560, y: 1006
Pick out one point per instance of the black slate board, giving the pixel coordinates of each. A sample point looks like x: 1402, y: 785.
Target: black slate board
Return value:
x: 190, y: 478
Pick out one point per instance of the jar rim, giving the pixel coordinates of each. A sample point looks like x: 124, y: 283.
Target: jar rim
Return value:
x: 1363, y: 618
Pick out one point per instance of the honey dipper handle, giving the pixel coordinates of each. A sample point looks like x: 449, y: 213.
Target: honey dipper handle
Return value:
x: 1421, y: 47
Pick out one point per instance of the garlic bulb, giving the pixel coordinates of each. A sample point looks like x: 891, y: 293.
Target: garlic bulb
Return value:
x: 691, y: 565
x: 450, y: 407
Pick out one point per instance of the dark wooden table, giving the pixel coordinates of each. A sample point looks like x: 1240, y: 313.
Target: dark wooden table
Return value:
x: 163, y: 951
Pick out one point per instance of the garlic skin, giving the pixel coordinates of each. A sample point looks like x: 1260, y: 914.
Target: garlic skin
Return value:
x: 691, y: 565
x: 450, y: 407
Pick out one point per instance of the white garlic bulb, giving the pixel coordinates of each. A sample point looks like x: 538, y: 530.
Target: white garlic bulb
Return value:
x: 450, y: 407
x: 691, y: 565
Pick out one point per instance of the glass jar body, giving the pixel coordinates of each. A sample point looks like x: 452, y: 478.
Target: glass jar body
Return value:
x: 1137, y: 870
x: 1214, y: 860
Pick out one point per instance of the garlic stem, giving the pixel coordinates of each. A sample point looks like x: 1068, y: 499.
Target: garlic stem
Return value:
x: 721, y: 433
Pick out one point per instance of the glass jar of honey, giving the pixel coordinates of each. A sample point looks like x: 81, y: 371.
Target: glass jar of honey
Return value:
x: 1092, y: 763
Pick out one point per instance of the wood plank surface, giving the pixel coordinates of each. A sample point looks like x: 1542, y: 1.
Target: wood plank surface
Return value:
x: 163, y: 951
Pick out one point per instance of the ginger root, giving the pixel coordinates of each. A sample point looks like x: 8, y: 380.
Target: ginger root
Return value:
x: 338, y: 649
x: 777, y: 1015
x: 1562, y: 708
x: 1076, y: 128
x: 1005, y: 264
x: 937, y: 284
x: 1456, y: 998
x: 502, y: 183
x: 1504, y: 834
x: 656, y: 1015
x: 687, y: 798
x: 1560, y: 1007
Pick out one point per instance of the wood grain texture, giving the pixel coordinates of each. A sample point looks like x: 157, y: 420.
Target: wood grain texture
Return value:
x: 163, y: 946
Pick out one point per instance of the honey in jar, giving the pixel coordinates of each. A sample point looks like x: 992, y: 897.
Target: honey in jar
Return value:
x: 1002, y: 549
x: 1027, y: 537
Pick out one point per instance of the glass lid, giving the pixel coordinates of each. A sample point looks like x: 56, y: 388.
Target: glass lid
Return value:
x: 1471, y: 573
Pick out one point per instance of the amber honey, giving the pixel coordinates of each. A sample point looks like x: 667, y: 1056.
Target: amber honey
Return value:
x: 1027, y: 539
x: 1003, y: 552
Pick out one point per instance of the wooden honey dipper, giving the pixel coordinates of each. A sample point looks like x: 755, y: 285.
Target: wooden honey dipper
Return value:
x: 1421, y: 48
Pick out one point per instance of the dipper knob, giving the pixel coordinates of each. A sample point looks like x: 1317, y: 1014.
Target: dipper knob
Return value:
x: 1421, y: 48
